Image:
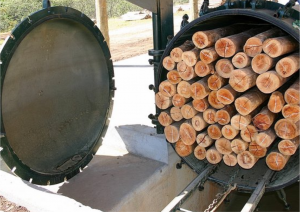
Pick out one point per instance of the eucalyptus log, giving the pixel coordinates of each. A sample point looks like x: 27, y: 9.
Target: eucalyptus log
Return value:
x: 172, y: 132
x: 169, y: 63
x: 241, y: 60
x: 200, y: 89
x: 224, y: 115
x: 276, y: 102
x: 249, y: 133
x: 165, y: 118
x: 182, y: 149
x: 242, y: 79
x: 246, y: 160
x: 176, y: 53
x: 213, y: 156
x: 291, y: 112
x: 257, y: 150
x: 229, y: 132
x: 266, y: 138
x: 264, y: 119
x: 191, y: 57
x: 200, y: 152
x: 208, y: 55
x: 183, y: 88
x: 179, y: 101
x: 223, y: 146
x: 202, y: 69
x: 269, y: 81
x: 176, y: 113
x: 213, y: 100
x: 224, y: 68
x: 215, y: 82
x: 173, y: 77
x: 227, y: 95
x: 186, y: 72
x: 292, y: 94
x: 262, y: 63
x: 200, y: 104
x: 277, y: 161
x: 214, y: 131
x: 198, y: 122
x: 288, y: 147
x: 209, y: 115
x: 287, y: 129
x: 162, y: 101
x: 188, y: 111
x: 187, y: 133
x: 204, y: 140
x: 230, y: 159
x: 287, y: 66
x: 238, y: 145
x: 167, y: 89
x: 278, y: 46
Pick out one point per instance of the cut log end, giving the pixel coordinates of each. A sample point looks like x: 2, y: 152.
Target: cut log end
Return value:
x: 187, y: 134
x: 269, y: 81
x: 246, y: 160
x: 213, y: 156
x: 288, y: 147
x: 182, y: 149
x: 229, y: 132
x: 288, y: 66
x: 162, y: 101
x: 225, y: 47
x: 241, y: 60
x: 230, y: 159
x: 291, y: 112
x: 214, y: 131
x: 286, y: 129
x: 223, y: 146
x: 209, y: 115
x: 174, y: 77
x: 167, y: 89
x: 253, y: 46
x: 200, y: 104
x: 238, y: 145
x: 276, y: 161
x: 215, y: 82
x: 257, y: 150
x: 261, y: 63
x: 165, y: 119
x: 276, y: 102
x: 200, y: 152
x: 204, y: 140
x: 213, y: 100
x: 169, y: 63
x: 249, y: 133
x: 176, y: 114
x: 224, y: 68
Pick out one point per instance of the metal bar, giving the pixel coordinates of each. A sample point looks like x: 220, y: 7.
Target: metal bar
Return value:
x: 177, y: 201
x: 184, y: 210
x: 258, y: 193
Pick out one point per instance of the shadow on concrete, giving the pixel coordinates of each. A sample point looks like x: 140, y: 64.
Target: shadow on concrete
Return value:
x: 107, y: 180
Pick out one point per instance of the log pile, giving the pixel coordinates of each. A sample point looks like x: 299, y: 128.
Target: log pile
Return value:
x: 231, y: 94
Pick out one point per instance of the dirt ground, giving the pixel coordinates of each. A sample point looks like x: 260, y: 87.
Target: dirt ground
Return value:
x: 8, y: 206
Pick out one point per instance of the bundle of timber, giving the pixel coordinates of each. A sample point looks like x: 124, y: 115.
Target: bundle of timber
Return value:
x: 232, y: 94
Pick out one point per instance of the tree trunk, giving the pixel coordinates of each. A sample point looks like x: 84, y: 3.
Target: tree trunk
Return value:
x: 214, y: 131
x: 224, y: 115
x: 198, y: 122
x: 242, y: 79
x: 229, y: 132
x: 172, y: 132
x: 262, y: 63
x: 182, y: 149
x: 227, y: 95
x: 249, y: 101
x: 292, y: 94
x: 276, y: 102
x: 287, y: 129
x: 176, y: 114
x: 288, y: 147
x: 264, y: 119
x: 275, y: 47
x: 202, y: 69
x: 249, y: 133
x: 238, y: 145
x: 167, y: 89
x: 204, y: 140
x: 188, y: 111
x: 230, y: 159
x: 213, y: 156
x: 213, y: 100
x: 291, y: 112
x: 241, y: 60
x: 186, y: 72
x: 215, y: 82
x: 224, y: 68
x: 200, y: 104
x: 165, y: 118
x: 208, y: 55
x: 194, y: 9
x: 277, y: 161
x: 223, y: 146
x: 257, y: 150
x: 246, y: 160
x: 287, y: 66
x: 102, y: 20
x: 200, y: 152
x: 169, y: 63
x: 269, y: 81
x: 191, y: 57
x: 162, y: 101
x: 209, y: 115
x: 173, y: 77
x: 187, y: 133
x: 179, y: 101
x: 254, y: 45
x: 266, y: 138
x: 200, y: 89
x: 176, y: 53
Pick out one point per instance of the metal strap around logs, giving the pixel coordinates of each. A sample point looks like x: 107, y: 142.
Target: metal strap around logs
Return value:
x: 258, y: 193
x: 174, y: 205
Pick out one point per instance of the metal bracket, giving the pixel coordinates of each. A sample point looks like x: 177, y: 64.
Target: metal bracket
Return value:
x: 46, y: 4
x: 285, y: 11
x: 204, y: 8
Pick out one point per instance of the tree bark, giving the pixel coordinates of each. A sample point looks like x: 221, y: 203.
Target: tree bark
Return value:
x: 277, y: 161
x: 241, y: 60
x: 176, y: 53
x: 269, y: 81
x: 288, y: 147
x: 242, y: 79
x: 287, y: 66
x: 276, y: 102
x: 224, y: 68
x: 102, y: 20
x: 275, y: 47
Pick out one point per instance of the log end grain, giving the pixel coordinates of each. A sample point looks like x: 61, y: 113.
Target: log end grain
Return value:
x: 174, y: 77
x: 176, y: 114
x: 200, y: 152
x: 162, y: 101
x: 261, y: 63
x: 213, y: 100
x: 213, y: 156
x: 276, y: 161
x: 182, y: 149
x: 241, y: 60
x: 225, y: 47
x: 230, y: 159
x: 276, y: 102
x: 187, y: 134
x: 286, y: 129
x: 246, y: 160
x: 253, y: 46
x: 224, y: 68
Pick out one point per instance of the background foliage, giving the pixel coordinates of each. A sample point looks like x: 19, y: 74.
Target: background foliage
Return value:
x: 13, y: 11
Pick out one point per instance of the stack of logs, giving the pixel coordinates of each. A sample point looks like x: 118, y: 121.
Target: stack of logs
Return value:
x: 230, y: 94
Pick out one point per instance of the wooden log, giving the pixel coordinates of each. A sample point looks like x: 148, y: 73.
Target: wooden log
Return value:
x: 187, y: 133
x: 200, y: 104
x: 213, y: 156
x: 246, y: 160
x: 230, y: 159
x: 162, y: 101
x: 183, y: 88
x: 182, y: 149
x: 254, y: 45
x: 176, y: 114
x: 223, y: 146
x: 286, y: 129
x: 269, y: 81
x: 204, y: 140
x: 191, y: 57
x: 257, y: 150
x: 198, y: 122
x: 176, y: 53
x: 165, y: 118
x: 266, y: 138
x: 179, y: 101
x: 275, y: 47
x: 200, y: 152
x: 169, y: 63
x: 186, y: 72
x: 276, y: 102
x: 238, y: 145
x: 291, y: 112
x: 242, y: 79
x: 208, y: 38
x: 262, y: 63
x: 240, y: 122
x: 167, y: 89
x: 214, y: 131
x: 230, y: 45
x: 287, y: 66
x: 224, y: 68
x: 200, y: 89
x: 241, y: 60
x: 264, y: 119
x: 208, y: 55
x: 172, y: 132
x: 173, y: 77
x: 277, y: 161
x: 249, y: 101
x: 249, y: 133
x: 229, y: 132
x: 289, y: 147
x: 227, y: 95
x: 209, y: 115
x: 188, y: 111
x: 202, y: 69
x: 292, y: 94
x: 224, y: 115
x: 213, y: 100
x: 215, y: 82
